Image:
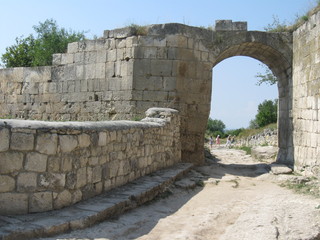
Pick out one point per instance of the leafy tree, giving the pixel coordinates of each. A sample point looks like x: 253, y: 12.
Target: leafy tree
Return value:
x: 267, y: 113
x: 268, y: 77
x: 37, y: 51
x: 215, y: 127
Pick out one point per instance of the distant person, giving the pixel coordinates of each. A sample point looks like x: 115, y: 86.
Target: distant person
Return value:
x: 228, y: 144
x: 218, y: 140
x: 211, y: 141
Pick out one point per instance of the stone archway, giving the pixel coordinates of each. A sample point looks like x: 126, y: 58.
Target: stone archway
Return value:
x: 192, y: 52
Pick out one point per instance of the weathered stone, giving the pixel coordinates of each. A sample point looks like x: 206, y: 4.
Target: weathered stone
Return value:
x: 54, y: 181
x: 7, y: 184
x: 63, y: 199
x: 41, y: 202
x: 47, y: 143
x: 13, y: 203
x: 22, y: 141
x: 4, y: 139
x: 10, y: 162
x: 280, y: 169
x: 36, y: 162
x: 26, y: 182
x: 68, y: 143
x: 84, y: 140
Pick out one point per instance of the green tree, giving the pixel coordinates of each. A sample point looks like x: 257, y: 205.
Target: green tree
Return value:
x: 268, y: 77
x: 267, y: 113
x: 215, y: 127
x: 37, y: 51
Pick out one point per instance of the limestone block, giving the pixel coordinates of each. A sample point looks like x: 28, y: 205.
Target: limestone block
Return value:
x: 102, y: 139
x: 41, y: 202
x: 76, y: 196
x: 7, y: 184
x: 47, y: 143
x: 56, y: 59
x: 73, y: 47
x: 36, y: 162
x: 26, y: 182
x: 81, y: 177
x: 10, y: 162
x: 54, y: 181
x: 84, y: 140
x: 4, y: 139
x: 22, y: 141
x: 68, y: 143
x: 100, y: 70
x: 112, y: 55
x: 62, y: 200
x: 67, y: 58
x: 13, y: 203
x: 90, y: 71
x: 161, y: 67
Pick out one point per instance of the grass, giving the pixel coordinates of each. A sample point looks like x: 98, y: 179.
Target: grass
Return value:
x: 307, y: 186
x: 250, y: 132
x: 246, y: 149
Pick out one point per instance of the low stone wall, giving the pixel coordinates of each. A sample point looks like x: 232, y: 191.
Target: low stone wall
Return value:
x: 267, y: 137
x: 50, y: 165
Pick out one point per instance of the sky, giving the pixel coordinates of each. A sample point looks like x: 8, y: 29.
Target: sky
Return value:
x: 235, y: 95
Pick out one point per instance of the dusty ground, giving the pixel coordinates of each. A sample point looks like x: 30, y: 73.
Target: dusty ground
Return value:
x: 239, y: 200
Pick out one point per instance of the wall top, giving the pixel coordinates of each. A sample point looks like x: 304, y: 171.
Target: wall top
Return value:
x: 228, y: 25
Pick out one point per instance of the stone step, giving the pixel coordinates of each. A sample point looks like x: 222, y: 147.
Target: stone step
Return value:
x: 91, y: 211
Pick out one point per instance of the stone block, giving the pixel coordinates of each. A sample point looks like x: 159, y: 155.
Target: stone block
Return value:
x: 68, y: 143
x: 36, y: 162
x: 161, y: 67
x: 41, y: 202
x: 10, y: 162
x: 4, y: 139
x: 47, y: 143
x: 81, y: 177
x: 22, y: 141
x: 13, y: 203
x: 96, y: 174
x: 53, y: 181
x: 102, y: 139
x: 26, y: 182
x: 84, y: 140
x: 7, y: 184
x: 62, y: 200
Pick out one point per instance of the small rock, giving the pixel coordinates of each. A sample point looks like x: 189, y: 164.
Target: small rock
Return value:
x: 280, y: 169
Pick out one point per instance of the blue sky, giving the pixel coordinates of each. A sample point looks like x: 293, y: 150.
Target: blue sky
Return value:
x: 235, y: 96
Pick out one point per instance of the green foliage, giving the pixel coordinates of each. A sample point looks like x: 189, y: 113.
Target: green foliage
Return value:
x: 267, y: 113
x: 250, y: 132
x: 138, y: 29
x: 235, y: 132
x: 215, y: 127
x: 37, y: 51
x: 268, y: 77
x: 246, y: 149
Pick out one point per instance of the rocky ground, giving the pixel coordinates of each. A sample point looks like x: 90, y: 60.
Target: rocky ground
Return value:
x: 231, y: 197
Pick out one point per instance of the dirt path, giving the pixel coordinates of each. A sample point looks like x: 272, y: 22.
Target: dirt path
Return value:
x: 239, y: 200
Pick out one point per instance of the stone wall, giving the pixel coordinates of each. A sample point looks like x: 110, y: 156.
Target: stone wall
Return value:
x: 306, y: 96
x: 267, y: 137
x: 50, y: 165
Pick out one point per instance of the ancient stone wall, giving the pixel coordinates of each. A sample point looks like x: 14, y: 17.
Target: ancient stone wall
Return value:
x: 306, y: 96
x: 267, y: 137
x: 50, y: 165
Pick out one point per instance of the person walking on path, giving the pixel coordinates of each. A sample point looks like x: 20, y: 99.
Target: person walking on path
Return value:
x: 228, y: 144
x: 211, y: 141
x: 218, y: 140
